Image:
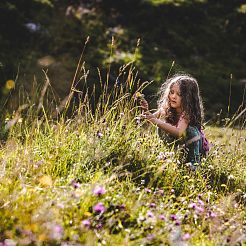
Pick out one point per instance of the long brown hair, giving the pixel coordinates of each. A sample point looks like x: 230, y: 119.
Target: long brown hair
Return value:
x: 191, y: 102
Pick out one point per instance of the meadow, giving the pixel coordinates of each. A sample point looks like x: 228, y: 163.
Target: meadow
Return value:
x: 102, y: 176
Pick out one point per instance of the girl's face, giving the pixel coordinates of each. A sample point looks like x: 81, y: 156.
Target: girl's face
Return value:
x: 175, y: 97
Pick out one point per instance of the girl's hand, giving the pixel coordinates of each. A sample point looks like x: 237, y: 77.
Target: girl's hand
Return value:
x: 144, y: 105
x: 149, y: 116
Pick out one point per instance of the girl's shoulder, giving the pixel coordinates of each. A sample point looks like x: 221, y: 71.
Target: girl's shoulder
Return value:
x: 184, y: 116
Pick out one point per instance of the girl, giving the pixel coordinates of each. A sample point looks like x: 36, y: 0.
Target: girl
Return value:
x: 179, y: 115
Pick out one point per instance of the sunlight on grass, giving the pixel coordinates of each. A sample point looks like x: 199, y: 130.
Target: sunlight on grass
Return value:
x: 103, y: 177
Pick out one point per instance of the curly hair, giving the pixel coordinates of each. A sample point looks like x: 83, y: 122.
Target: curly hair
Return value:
x: 191, y: 102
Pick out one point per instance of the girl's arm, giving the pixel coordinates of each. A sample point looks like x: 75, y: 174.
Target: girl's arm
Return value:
x: 177, y: 131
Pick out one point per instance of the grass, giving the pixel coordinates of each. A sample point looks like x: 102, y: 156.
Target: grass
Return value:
x: 103, y: 177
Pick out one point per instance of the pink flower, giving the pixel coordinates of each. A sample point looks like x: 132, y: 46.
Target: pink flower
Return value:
x: 192, y: 205
x: 173, y: 217
x: 186, y: 236
x: 162, y: 217
x: 86, y: 223
x: 99, y: 190
x: 150, y: 214
x: 152, y: 205
x: 99, y: 208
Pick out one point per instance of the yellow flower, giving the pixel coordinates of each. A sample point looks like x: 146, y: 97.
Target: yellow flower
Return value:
x: 138, y: 95
x: 10, y: 84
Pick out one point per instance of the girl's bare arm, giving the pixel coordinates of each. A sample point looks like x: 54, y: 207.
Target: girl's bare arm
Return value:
x: 177, y: 131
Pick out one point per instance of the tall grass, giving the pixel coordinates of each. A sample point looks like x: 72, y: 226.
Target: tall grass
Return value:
x: 96, y: 174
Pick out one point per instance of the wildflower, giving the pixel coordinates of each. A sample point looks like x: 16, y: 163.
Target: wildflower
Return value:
x: 8, y: 242
x: 75, y: 184
x: 86, y: 223
x: 99, y: 190
x: 162, y: 217
x: 173, y: 217
x: 99, y: 226
x: 147, y: 190
x: 122, y: 206
x: 201, y: 202
x: 161, y: 156
x: 138, y: 95
x: 152, y: 205
x: 10, y: 84
x: 150, y: 214
x: 186, y: 236
x: 177, y: 223
x: 99, y: 208
x: 99, y: 134
x: 211, y: 214
x: 192, y: 205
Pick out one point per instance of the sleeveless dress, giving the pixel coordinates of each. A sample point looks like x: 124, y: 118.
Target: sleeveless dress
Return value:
x: 191, y: 144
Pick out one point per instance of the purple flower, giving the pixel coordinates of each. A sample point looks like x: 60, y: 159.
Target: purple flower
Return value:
x: 86, y: 223
x: 199, y: 196
x: 199, y: 209
x: 186, y: 236
x: 99, y: 190
x: 173, y: 217
x: 99, y: 208
x: 211, y: 214
x: 162, y: 217
x: 122, y: 206
x: 201, y: 202
x: 147, y: 190
x: 177, y: 223
x: 152, y: 205
x: 150, y: 214
x: 99, y: 226
x: 192, y: 205
x: 75, y: 184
